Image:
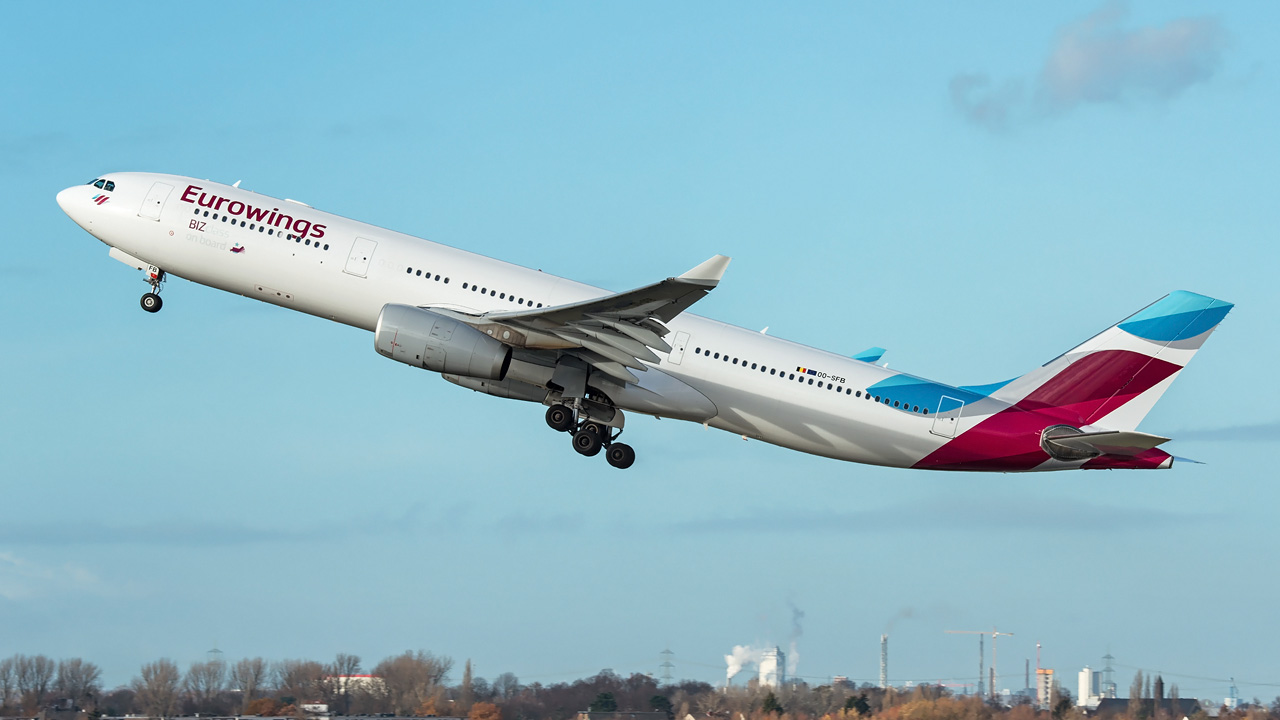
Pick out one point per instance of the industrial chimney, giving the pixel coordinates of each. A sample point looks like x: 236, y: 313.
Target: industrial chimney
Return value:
x: 884, y: 661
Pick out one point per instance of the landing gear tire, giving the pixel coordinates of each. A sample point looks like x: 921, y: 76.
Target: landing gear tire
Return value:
x: 599, y: 429
x: 587, y: 442
x: 151, y: 302
x: 620, y: 455
x: 560, y: 418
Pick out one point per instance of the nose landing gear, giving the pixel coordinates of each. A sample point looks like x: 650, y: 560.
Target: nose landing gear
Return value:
x: 151, y: 302
x: 590, y: 437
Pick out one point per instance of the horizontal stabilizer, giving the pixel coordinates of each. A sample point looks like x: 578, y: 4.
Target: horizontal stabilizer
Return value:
x: 1107, y: 442
x: 870, y: 355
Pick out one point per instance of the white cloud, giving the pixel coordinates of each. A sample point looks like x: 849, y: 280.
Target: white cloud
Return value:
x: 1097, y: 60
x: 21, y: 579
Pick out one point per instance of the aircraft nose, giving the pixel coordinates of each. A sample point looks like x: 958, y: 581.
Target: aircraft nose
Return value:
x: 64, y: 199
x: 74, y: 205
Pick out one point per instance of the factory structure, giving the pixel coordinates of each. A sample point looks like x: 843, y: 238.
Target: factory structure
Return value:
x: 1095, y: 691
x: 773, y: 668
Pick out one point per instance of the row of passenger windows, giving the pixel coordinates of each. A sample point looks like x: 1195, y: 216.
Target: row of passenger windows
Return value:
x: 419, y: 272
x: 803, y: 378
x: 102, y: 184
x: 264, y: 228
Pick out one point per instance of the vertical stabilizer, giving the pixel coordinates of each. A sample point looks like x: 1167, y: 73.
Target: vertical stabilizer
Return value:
x: 1115, y: 378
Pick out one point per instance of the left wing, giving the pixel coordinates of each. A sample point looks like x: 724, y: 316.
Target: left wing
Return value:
x: 611, y: 333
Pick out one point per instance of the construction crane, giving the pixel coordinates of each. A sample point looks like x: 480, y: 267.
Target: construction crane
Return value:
x: 995, y: 635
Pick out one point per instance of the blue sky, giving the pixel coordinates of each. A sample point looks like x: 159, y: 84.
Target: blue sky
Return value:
x: 976, y: 188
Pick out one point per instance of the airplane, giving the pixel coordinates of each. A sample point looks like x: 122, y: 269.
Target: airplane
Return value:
x: 592, y: 356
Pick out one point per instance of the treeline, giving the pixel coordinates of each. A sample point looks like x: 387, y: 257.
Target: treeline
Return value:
x: 418, y: 684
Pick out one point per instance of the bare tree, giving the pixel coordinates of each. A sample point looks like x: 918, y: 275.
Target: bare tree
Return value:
x: 412, y: 678
x: 505, y: 686
x: 466, y: 691
x: 205, y: 681
x: 156, y: 688
x: 248, y: 676
x: 299, y: 680
x: 338, y: 682
x: 34, y: 676
x: 79, y: 681
x: 8, y: 686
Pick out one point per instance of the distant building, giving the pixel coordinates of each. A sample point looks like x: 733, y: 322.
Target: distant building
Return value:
x: 349, y: 683
x: 773, y: 668
x: 1044, y: 687
x: 1089, y: 691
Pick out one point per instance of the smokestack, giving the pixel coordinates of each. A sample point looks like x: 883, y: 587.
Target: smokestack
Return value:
x: 884, y: 661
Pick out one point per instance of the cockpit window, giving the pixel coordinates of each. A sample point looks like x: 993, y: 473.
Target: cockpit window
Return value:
x: 110, y: 185
x: 100, y: 183
x: 92, y: 181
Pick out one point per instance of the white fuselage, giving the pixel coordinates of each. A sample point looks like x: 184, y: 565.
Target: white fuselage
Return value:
x: 332, y: 267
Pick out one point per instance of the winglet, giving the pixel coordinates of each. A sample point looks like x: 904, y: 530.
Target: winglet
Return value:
x: 708, y: 272
x: 870, y: 355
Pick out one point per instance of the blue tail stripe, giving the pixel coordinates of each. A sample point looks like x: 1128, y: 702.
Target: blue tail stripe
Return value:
x: 1178, y: 316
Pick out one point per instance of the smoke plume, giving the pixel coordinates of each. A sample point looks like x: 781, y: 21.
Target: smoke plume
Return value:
x: 742, y: 656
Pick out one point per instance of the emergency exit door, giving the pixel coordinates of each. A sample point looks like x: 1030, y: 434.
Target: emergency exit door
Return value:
x: 154, y: 202
x: 361, y: 255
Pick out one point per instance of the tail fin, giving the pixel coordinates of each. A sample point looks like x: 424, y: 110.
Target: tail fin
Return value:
x: 1115, y: 378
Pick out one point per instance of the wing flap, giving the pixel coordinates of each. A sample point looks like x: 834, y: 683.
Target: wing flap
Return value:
x: 613, y: 332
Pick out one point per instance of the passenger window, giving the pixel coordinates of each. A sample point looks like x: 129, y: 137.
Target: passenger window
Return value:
x: 409, y: 270
x: 419, y: 273
x: 717, y: 356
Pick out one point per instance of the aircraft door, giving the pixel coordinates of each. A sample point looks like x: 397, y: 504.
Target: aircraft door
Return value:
x: 677, y: 348
x: 946, y: 422
x: 154, y: 202
x: 361, y: 254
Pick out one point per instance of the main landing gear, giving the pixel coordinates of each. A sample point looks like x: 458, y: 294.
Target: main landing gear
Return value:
x: 151, y: 302
x: 590, y: 437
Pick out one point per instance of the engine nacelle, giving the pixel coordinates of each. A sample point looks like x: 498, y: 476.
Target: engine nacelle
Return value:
x: 427, y: 340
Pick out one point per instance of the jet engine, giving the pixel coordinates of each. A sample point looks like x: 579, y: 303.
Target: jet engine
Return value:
x: 428, y: 340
